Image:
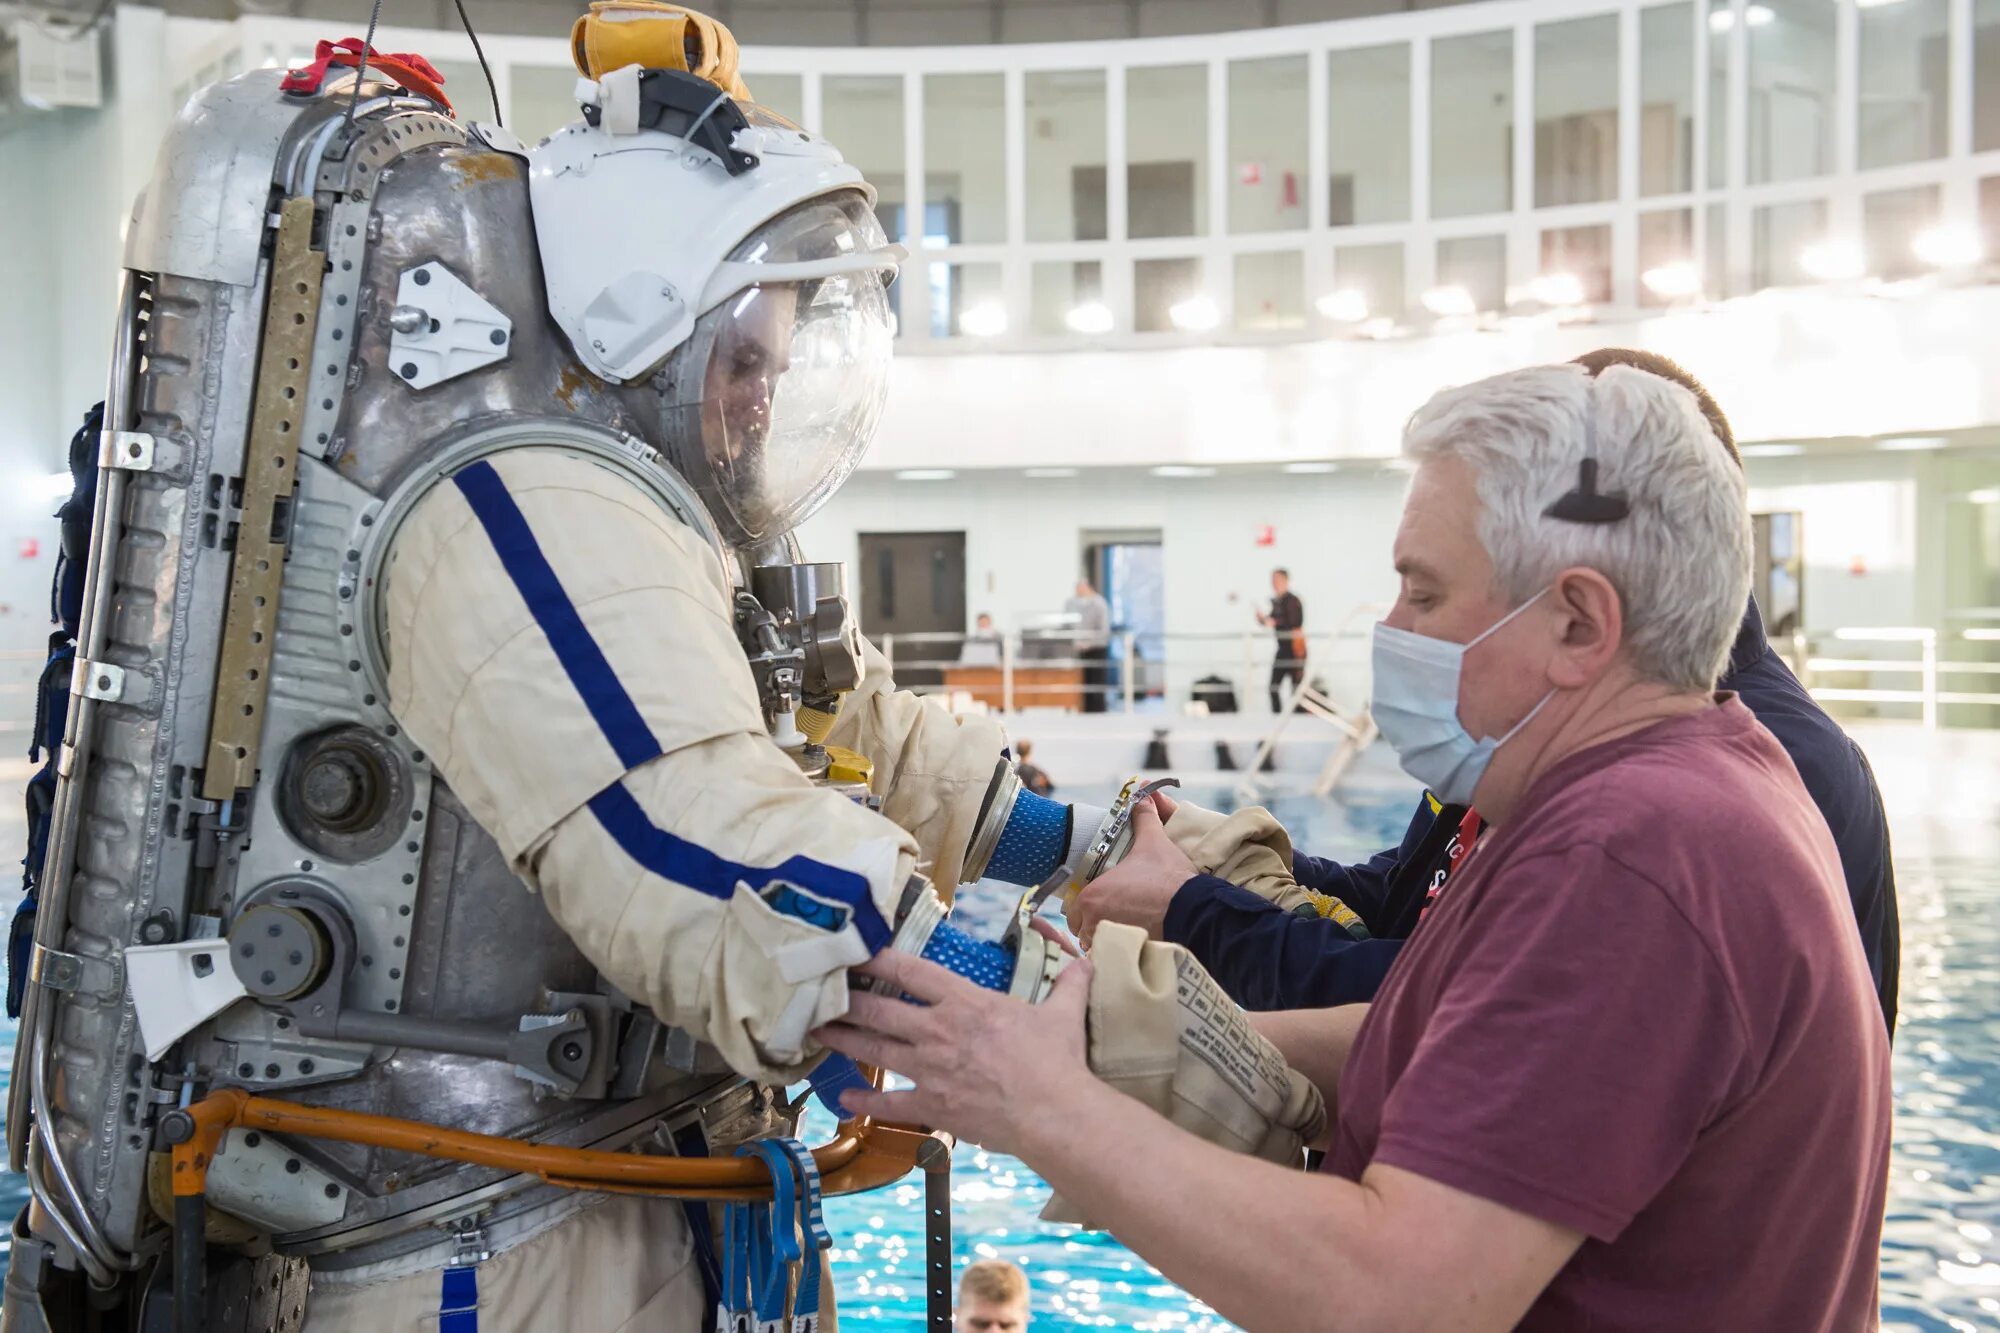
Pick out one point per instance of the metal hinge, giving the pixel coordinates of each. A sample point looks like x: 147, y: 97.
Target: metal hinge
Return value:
x: 469, y: 1242
x: 97, y: 680
x: 132, y: 450
x: 55, y: 969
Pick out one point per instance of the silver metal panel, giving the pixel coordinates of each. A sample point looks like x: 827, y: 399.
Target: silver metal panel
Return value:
x: 202, y: 215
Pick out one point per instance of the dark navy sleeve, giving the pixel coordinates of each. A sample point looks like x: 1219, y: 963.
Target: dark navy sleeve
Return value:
x: 1267, y: 958
x: 1364, y: 886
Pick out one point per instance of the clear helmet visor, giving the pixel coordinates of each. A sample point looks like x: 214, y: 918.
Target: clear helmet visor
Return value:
x: 775, y: 396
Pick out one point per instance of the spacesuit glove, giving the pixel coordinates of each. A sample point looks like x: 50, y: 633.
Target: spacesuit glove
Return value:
x: 1162, y: 1032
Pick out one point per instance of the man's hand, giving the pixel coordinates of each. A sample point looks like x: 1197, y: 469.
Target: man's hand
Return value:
x: 1138, y: 889
x: 986, y: 1065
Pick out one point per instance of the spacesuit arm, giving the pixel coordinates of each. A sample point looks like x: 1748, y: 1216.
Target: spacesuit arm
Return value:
x: 932, y: 770
x: 563, y: 649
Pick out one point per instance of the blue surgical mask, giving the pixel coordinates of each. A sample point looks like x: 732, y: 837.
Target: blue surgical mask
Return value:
x: 1416, y: 707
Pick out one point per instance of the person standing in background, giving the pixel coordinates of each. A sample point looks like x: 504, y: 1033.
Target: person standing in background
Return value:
x: 1093, y: 642
x: 1287, y: 620
x: 1032, y: 777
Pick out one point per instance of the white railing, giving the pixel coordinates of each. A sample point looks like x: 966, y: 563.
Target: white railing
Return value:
x: 1716, y: 210
x: 1142, y: 667
x: 1930, y: 668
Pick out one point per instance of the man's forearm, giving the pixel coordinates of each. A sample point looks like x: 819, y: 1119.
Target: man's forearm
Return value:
x: 1315, y: 1042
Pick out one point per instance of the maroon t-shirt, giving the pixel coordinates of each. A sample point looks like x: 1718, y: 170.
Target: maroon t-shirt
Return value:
x: 1642, y: 1011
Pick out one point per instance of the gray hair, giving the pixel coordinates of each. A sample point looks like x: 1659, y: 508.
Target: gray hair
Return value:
x: 1680, y: 560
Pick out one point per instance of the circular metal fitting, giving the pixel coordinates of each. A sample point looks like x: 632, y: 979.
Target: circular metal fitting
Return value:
x: 345, y: 793
x: 279, y: 953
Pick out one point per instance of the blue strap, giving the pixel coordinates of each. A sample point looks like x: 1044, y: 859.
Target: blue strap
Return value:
x: 774, y: 1247
x: 691, y: 1142
x: 812, y: 1226
x: 625, y: 729
x: 833, y: 1076
x: 458, y: 1301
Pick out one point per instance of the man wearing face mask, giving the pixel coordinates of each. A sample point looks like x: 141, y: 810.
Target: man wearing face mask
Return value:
x: 1613, y: 1113
x: 1268, y: 958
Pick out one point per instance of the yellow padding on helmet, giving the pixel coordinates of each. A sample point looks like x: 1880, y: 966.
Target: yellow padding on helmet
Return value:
x: 617, y: 33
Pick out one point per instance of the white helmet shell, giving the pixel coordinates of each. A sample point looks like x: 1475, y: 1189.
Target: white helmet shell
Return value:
x: 636, y: 228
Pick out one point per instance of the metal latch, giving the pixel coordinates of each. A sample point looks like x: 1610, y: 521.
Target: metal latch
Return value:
x: 132, y: 450
x: 469, y: 1245
x: 55, y: 969
x: 97, y: 680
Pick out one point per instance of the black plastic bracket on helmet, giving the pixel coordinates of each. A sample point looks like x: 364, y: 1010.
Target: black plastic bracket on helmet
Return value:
x: 690, y: 107
x: 1587, y: 504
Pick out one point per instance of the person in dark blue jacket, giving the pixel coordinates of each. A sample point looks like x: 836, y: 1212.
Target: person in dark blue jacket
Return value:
x: 1267, y: 958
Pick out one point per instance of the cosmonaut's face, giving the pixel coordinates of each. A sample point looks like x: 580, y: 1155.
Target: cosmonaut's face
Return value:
x: 752, y: 352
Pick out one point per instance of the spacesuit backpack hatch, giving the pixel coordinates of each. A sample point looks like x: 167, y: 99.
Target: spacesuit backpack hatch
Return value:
x: 441, y: 546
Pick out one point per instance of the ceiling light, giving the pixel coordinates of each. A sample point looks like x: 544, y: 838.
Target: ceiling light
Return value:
x: 1904, y: 444
x: 1090, y: 317
x: 1989, y: 495
x: 1948, y: 247
x: 926, y: 474
x: 1195, y: 314
x: 1182, y: 470
x: 1445, y: 302
x: 1346, y: 306
x: 1051, y: 472
x: 1301, y: 469
x: 1673, y: 282
x: 986, y: 320
x: 1833, y: 261
x: 1874, y: 4
x: 1982, y: 635
x: 1557, y: 289
x: 1754, y: 16
x: 1769, y: 450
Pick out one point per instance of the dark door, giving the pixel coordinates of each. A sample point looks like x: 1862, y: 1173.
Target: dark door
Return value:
x: 913, y: 583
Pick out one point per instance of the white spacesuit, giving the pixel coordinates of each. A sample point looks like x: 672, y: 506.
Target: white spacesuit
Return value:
x: 463, y: 545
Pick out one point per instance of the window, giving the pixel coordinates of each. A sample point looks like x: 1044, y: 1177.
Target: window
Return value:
x: 541, y: 101
x: 1576, y: 111
x: 1066, y: 154
x: 1166, y: 151
x: 863, y: 118
x: 1986, y: 75
x: 1579, y: 253
x: 1476, y: 266
x: 1167, y: 295
x: 1667, y: 271
x: 465, y: 85
x: 1666, y: 99
x: 1791, y: 89
x: 1368, y: 135
x: 1891, y: 220
x: 1068, y: 298
x: 1721, y: 22
x: 967, y: 301
x: 965, y: 155
x: 1716, y: 258
x: 1780, y: 236
x: 782, y: 93
x: 1267, y: 144
x: 1472, y: 123
x: 1905, y: 77
x: 1376, y: 273
x: 1270, y: 291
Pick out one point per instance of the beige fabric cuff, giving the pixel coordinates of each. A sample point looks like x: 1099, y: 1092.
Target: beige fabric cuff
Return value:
x: 1163, y: 1033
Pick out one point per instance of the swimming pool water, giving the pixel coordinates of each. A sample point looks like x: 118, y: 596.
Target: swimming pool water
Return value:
x: 1941, y: 1245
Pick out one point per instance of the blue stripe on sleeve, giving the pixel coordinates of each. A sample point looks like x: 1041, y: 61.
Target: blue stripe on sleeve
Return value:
x: 521, y: 555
